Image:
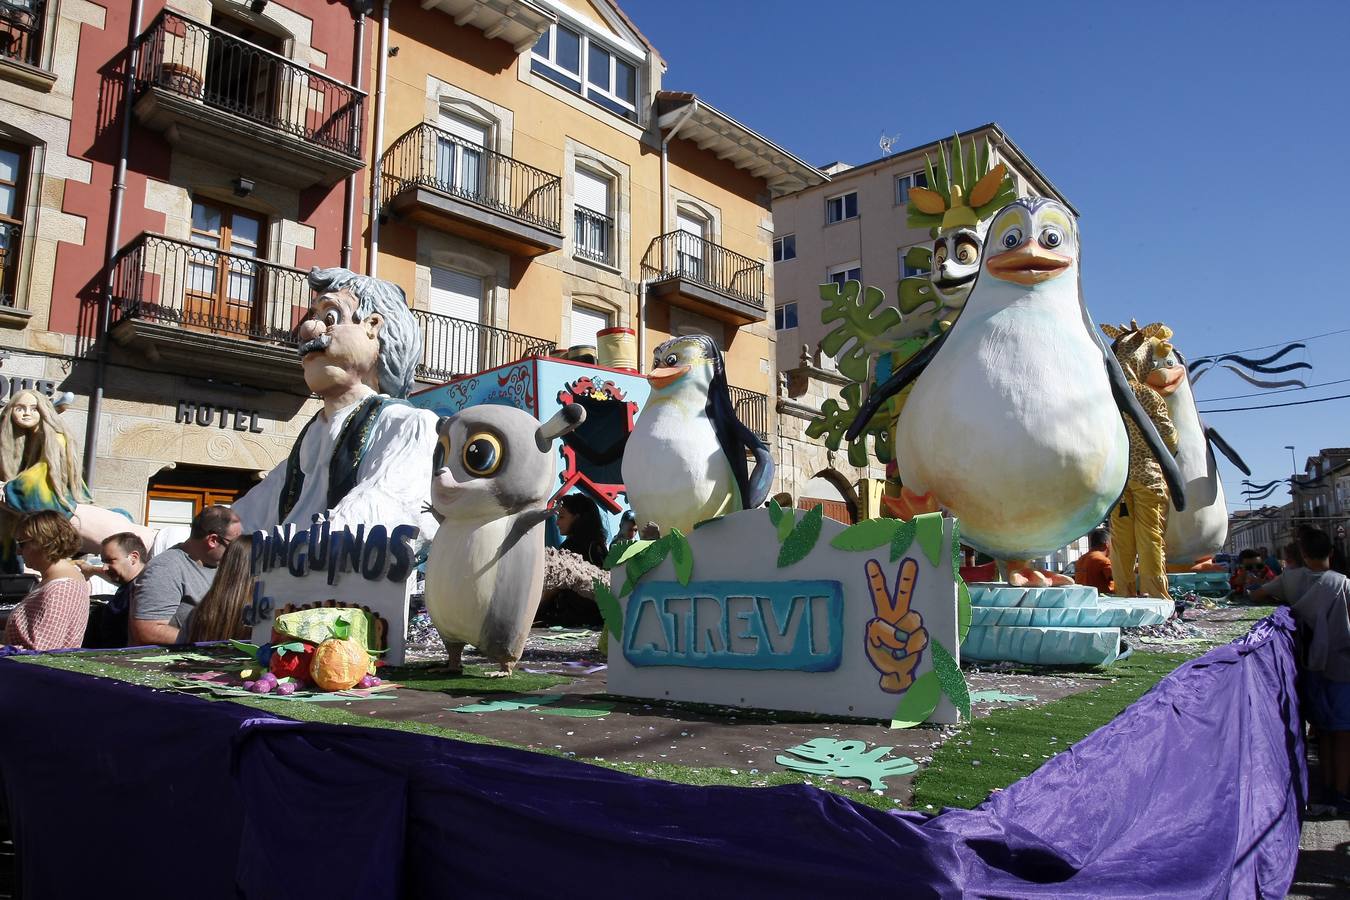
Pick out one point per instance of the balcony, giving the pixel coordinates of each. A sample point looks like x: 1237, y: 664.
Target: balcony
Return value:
x: 21, y: 27
x: 222, y: 98
x: 707, y: 278
x: 593, y: 236
x: 434, y: 178
x: 752, y: 409
x: 453, y: 347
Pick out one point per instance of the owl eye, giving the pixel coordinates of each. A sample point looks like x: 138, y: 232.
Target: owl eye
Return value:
x: 940, y: 254
x: 1012, y: 237
x: 1051, y: 237
x: 482, y: 454
x: 440, y: 454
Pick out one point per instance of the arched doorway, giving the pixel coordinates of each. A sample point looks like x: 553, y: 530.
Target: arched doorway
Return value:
x: 831, y: 490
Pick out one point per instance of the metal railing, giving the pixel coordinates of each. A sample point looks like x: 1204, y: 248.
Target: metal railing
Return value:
x: 179, y: 283
x: 11, y: 237
x: 593, y: 235
x: 681, y: 254
x: 752, y: 409
x: 198, y: 61
x: 427, y: 156
x: 21, y: 30
x: 453, y: 347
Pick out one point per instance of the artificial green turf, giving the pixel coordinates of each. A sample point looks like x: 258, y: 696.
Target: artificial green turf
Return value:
x: 1010, y: 744
x: 475, y: 680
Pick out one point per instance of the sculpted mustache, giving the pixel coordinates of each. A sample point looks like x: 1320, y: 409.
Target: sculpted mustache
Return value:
x: 317, y: 344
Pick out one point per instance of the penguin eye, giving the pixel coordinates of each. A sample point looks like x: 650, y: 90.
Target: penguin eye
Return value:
x: 1051, y: 237
x: 967, y: 253
x: 440, y: 454
x: 940, y: 254
x: 482, y: 454
x: 1012, y: 237
x: 672, y: 359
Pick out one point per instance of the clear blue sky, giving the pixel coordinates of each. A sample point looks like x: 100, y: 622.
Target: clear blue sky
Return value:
x: 1204, y: 144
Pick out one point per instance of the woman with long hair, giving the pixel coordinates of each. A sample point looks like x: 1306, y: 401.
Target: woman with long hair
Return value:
x: 583, y: 532
x: 220, y: 614
x: 55, y: 612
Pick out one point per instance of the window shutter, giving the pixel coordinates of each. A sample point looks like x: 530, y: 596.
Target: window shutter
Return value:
x: 586, y: 325
x: 464, y: 129
x: 592, y: 192
x: 456, y: 294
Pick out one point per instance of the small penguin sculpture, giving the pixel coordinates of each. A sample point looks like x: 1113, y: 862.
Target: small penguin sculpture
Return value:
x: 686, y: 458
x: 492, y: 474
x: 1015, y: 425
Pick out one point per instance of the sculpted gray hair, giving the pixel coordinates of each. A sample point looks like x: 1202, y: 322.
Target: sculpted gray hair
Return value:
x: 400, y: 338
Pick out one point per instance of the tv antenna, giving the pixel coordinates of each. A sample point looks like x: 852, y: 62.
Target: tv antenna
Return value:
x: 887, y: 142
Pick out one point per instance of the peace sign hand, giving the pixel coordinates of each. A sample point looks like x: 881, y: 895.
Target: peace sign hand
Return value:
x: 896, y: 637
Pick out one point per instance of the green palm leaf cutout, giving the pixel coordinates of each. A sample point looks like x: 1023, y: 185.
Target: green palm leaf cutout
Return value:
x: 949, y: 676
x: 929, y: 531
x: 847, y: 759
x: 868, y: 534
x: 997, y: 696
x: 609, y: 608
x: 775, y: 513
x: 915, y: 291
x: 904, y: 536
x: 621, y: 553
x: 963, y: 611
x: 803, y: 538
x: 647, y: 559
x: 857, y: 318
x: 681, y: 554
x: 918, y: 702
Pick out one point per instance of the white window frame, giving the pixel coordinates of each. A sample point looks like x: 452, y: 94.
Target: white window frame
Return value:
x: 605, y: 92
x: 604, y: 314
x: 844, y: 269
x: 843, y: 207
x: 907, y: 181
x: 611, y: 199
x: 780, y: 314
x: 780, y: 247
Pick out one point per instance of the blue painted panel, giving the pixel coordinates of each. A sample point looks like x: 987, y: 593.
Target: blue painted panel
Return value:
x: 755, y: 625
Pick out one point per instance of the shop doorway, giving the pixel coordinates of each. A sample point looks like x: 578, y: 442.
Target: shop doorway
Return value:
x: 173, y: 497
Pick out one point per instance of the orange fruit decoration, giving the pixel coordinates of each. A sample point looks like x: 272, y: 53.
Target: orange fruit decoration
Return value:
x: 339, y: 664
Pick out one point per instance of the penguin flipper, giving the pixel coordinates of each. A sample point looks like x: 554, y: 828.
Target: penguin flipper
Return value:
x: 1216, y: 440
x: 1128, y: 404
x: 908, y: 371
x: 756, y: 488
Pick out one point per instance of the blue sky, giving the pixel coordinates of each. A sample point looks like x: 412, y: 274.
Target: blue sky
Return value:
x: 1202, y: 142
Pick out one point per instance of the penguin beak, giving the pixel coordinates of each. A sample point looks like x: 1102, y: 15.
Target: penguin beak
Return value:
x: 663, y: 377
x: 1166, y: 380
x: 1027, y: 264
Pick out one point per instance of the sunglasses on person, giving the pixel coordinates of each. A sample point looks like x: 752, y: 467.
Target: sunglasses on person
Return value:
x: 1254, y: 567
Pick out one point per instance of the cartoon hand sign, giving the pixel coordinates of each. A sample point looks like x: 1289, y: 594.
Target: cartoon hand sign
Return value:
x: 896, y: 637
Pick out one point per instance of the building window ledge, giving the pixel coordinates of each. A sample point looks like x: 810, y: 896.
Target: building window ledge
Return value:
x: 38, y: 79
x: 14, y: 317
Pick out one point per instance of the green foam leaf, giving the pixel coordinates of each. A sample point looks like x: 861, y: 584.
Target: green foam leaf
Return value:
x: 621, y: 553
x: 802, y: 540
x: 950, y: 677
x: 609, y: 608
x: 996, y: 696
x: 963, y: 610
x: 786, y: 522
x: 868, y: 534
x: 776, y: 511
x: 681, y: 554
x: 644, y: 561
x: 846, y: 759
x: 858, y: 318
x: 904, y: 536
x: 918, y: 702
x: 916, y: 291
x: 928, y: 528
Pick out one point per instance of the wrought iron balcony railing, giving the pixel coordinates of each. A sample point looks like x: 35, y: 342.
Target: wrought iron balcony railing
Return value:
x: 21, y: 30
x: 752, y: 409
x: 427, y: 156
x: 593, y: 235
x: 453, y: 347
x: 200, y: 62
x: 681, y: 254
x: 11, y: 234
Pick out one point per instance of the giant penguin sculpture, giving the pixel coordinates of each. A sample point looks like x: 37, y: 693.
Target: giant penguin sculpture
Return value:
x: 685, y: 460
x: 1015, y: 425
x: 492, y: 475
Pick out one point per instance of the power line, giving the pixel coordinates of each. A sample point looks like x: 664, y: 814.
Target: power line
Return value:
x: 1277, y: 391
x: 1275, y: 405
x: 1311, y: 337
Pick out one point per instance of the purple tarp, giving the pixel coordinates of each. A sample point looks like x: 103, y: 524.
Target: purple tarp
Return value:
x: 115, y: 790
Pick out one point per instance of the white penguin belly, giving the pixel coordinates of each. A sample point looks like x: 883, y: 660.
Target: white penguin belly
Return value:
x: 674, y: 469
x: 1202, y: 528
x: 1015, y: 432
x: 460, y: 563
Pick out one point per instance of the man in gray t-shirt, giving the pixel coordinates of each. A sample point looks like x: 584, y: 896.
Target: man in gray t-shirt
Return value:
x: 175, y: 580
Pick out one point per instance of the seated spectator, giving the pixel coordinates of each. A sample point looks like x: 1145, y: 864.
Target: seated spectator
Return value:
x: 1320, y: 600
x: 1252, y: 572
x: 220, y: 615
x: 54, y: 613
x: 582, y: 530
x: 175, y: 581
x: 627, y: 529
x: 123, y: 561
x: 1094, y: 567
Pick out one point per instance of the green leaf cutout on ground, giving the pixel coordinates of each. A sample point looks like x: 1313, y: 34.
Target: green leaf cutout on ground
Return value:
x: 846, y: 759
x: 918, y: 702
x: 681, y: 554
x: 543, y: 705
x: 950, y: 677
x: 868, y: 534
x: 609, y: 608
x: 802, y: 540
x: 997, y: 696
x: 175, y: 657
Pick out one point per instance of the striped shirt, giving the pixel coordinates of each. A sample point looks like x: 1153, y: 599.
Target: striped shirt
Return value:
x: 52, y: 616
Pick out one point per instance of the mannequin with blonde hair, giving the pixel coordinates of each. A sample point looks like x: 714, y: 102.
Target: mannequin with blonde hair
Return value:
x: 37, y: 464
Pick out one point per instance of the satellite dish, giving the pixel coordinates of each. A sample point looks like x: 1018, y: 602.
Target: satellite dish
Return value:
x: 886, y: 143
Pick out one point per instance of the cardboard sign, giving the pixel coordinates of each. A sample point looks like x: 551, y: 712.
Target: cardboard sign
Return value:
x: 369, y: 567
x: 776, y: 609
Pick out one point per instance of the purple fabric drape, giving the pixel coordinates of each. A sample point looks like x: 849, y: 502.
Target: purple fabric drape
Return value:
x: 1191, y: 792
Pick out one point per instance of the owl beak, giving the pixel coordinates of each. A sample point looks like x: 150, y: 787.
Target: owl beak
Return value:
x: 1027, y: 264
x: 664, y: 377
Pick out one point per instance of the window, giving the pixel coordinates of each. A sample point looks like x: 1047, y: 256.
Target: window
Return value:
x: 223, y: 290
x: 587, y: 324
x: 593, y: 235
x: 845, y: 206
x: 450, y: 341
x: 21, y: 30
x: 845, y: 273
x: 785, y: 248
x: 906, y: 270
x: 587, y: 67
x: 785, y: 316
x: 13, y: 162
x: 459, y: 156
x: 238, y: 77
x: 691, y: 232
x: 904, y: 182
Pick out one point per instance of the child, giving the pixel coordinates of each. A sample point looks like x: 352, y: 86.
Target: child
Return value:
x: 1318, y: 597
